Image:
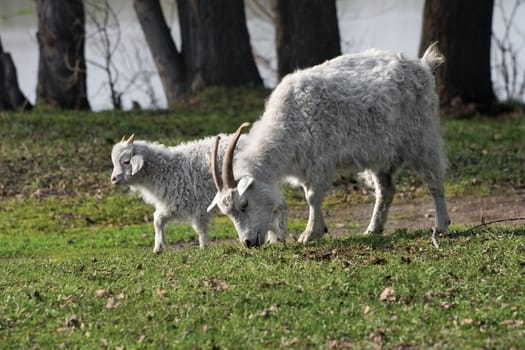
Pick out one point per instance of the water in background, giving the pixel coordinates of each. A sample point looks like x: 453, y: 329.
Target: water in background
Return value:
x: 387, y: 24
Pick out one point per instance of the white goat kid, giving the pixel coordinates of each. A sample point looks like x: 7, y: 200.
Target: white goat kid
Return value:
x: 373, y: 111
x: 177, y: 181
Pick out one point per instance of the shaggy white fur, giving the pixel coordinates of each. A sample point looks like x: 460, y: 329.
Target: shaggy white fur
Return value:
x: 373, y: 111
x: 177, y: 181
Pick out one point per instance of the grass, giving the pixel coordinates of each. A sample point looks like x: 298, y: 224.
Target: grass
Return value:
x: 469, y: 294
x: 77, y: 268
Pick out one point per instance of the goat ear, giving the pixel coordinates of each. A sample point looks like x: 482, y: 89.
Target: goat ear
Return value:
x: 213, y: 203
x: 244, y: 183
x: 137, y: 162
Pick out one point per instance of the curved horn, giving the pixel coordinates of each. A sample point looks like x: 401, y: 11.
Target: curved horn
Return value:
x: 214, y: 166
x: 131, y: 139
x: 123, y: 139
x: 227, y: 163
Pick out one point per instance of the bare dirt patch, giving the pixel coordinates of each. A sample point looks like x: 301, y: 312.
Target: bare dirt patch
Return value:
x: 415, y: 214
x: 410, y: 214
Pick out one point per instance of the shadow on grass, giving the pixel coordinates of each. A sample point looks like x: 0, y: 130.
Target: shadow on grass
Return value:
x: 418, y: 237
x: 401, y: 245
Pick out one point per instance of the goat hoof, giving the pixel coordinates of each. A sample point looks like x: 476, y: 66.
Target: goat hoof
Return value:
x: 304, y: 237
x: 435, y: 231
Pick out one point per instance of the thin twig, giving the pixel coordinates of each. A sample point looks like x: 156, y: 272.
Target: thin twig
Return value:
x: 472, y: 229
x: 486, y: 223
x: 506, y: 52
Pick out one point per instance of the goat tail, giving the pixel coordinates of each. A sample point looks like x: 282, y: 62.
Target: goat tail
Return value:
x: 432, y: 57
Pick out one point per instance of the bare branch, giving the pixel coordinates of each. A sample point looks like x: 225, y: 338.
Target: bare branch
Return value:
x: 126, y: 71
x: 260, y: 9
x: 472, y: 229
x: 486, y: 223
x: 507, y: 64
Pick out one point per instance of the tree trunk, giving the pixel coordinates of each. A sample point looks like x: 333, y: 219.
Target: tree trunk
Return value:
x: 15, y: 97
x: 4, y: 102
x: 62, y: 65
x: 307, y: 33
x: 168, y: 60
x: 216, y: 44
x: 463, y: 30
x: 11, y: 97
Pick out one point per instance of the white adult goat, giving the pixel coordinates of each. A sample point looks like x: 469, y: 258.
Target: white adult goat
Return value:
x: 373, y: 111
x: 177, y: 181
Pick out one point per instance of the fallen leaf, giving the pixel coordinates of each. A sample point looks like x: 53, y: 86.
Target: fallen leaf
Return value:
x: 68, y: 302
x: 389, y: 294
x: 265, y: 313
x: 290, y: 342
x: 111, y: 304
x: 334, y: 344
x: 512, y: 323
x: 73, y: 321
x: 71, y: 324
x: 467, y: 321
x: 376, y: 261
x: 101, y: 293
x: 428, y: 296
x: 216, y: 285
x: 274, y: 307
x: 446, y: 305
x: 161, y: 292
x: 366, y: 310
x: 378, y: 336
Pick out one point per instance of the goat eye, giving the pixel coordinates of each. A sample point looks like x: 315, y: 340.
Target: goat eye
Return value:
x: 126, y: 162
x: 243, y: 205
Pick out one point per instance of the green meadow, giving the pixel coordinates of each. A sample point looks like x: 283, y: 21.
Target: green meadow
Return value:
x: 77, y: 268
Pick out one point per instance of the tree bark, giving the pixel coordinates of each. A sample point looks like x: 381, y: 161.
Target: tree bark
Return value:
x: 463, y: 30
x: 215, y: 46
x: 216, y: 43
x: 11, y: 97
x: 307, y: 33
x: 4, y: 103
x: 62, y: 65
x: 169, y: 62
